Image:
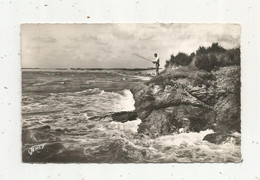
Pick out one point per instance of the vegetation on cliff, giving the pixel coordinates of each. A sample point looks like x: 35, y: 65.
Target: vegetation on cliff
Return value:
x: 206, y: 58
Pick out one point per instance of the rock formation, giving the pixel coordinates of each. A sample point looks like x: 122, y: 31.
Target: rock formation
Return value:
x: 183, y: 100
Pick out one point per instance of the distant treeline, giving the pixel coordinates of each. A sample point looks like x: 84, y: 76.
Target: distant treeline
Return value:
x: 207, y: 58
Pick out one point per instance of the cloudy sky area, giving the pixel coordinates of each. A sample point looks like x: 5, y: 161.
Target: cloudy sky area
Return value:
x: 113, y: 45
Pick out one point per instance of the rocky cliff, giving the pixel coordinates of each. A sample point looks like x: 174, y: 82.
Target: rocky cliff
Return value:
x: 183, y: 100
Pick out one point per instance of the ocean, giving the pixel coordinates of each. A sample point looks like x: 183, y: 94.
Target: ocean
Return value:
x: 58, y: 107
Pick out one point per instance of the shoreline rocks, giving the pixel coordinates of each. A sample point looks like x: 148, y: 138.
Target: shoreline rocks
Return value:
x: 183, y: 100
x: 122, y: 117
x: 218, y: 138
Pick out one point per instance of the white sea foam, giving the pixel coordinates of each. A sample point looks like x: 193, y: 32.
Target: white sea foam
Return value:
x: 131, y: 126
x: 41, y: 83
x: 144, y: 78
x: 126, y: 102
x: 190, y: 138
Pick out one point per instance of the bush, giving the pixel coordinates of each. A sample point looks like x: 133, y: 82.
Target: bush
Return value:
x: 234, y: 55
x: 223, y: 60
x: 206, y: 62
x: 201, y: 50
x: 167, y: 63
x: 214, y: 48
x: 205, y: 78
x: 231, y: 57
x: 206, y: 57
x: 181, y: 59
x: 191, y: 56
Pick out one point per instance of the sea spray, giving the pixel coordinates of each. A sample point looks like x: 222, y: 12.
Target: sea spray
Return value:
x: 131, y: 126
x: 126, y: 102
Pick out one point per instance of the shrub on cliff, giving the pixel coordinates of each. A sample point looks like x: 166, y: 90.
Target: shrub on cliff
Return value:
x: 214, y: 48
x: 234, y: 55
x: 204, y: 78
x: 201, y: 50
x: 167, y: 63
x: 181, y: 59
x: 206, y: 62
x: 161, y: 80
x: 231, y: 57
x: 207, y: 58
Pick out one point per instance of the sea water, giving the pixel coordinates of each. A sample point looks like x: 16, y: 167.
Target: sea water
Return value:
x: 58, y: 126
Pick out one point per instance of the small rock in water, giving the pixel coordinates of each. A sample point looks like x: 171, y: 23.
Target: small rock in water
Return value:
x: 218, y: 138
x: 124, y: 116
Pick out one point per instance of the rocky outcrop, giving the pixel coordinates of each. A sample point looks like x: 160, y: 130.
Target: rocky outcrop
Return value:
x: 164, y: 110
x: 183, y: 100
x: 227, y: 106
x: 218, y: 138
x: 122, y: 117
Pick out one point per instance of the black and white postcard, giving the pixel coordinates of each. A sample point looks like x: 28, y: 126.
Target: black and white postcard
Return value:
x: 131, y: 93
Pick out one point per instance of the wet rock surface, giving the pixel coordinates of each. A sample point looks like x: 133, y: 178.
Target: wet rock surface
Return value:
x: 218, y: 138
x: 124, y: 116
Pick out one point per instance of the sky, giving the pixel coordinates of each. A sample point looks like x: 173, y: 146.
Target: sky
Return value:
x: 113, y: 45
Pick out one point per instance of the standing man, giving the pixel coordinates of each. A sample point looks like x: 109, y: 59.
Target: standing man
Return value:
x: 157, y: 63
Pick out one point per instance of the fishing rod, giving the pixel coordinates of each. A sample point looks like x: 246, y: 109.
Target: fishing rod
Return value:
x: 143, y: 57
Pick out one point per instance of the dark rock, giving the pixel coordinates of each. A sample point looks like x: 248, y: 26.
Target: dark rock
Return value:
x: 101, y: 118
x: 124, y: 116
x: 164, y: 110
x: 227, y: 106
x: 220, y: 137
x: 157, y: 123
x: 228, y: 114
